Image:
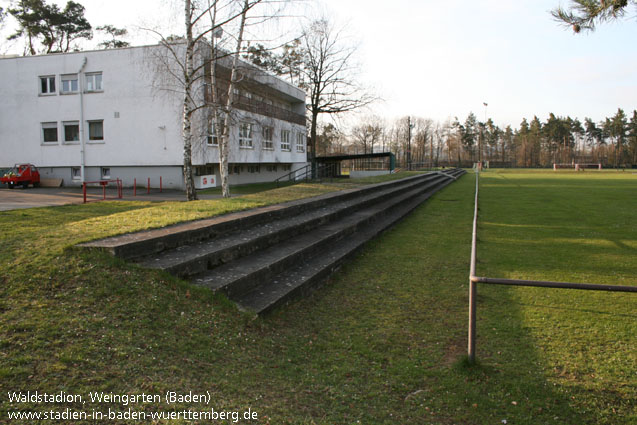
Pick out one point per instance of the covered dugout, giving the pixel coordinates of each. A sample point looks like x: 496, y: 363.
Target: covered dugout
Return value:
x: 363, y: 165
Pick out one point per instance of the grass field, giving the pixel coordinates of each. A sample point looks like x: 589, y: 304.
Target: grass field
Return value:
x: 381, y: 343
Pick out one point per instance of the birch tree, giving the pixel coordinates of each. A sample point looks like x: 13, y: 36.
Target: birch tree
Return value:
x: 194, y: 59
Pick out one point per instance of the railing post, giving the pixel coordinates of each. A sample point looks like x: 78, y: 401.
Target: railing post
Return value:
x: 473, y: 290
x: 471, y: 348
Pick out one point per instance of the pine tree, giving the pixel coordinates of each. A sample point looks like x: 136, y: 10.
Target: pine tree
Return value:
x: 586, y: 14
x: 632, y: 137
x: 46, y: 24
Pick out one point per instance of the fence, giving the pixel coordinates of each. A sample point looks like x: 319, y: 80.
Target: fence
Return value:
x: 119, y: 187
x: 161, y: 188
x: 103, y: 184
x: 474, y: 280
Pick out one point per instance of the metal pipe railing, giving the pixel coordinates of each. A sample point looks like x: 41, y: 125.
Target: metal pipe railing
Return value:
x: 471, y: 349
x: 474, y: 280
x: 550, y: 284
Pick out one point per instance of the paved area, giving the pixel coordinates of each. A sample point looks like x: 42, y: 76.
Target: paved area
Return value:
x: 18, y: 198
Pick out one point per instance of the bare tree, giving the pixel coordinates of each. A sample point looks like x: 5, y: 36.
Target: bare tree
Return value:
x: 193, y: 62
x: 368, y: 133
x: 328, y: 73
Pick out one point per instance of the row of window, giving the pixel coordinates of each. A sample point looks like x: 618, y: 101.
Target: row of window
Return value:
x: 203, y: 170
x: 69, y: 83
x: 71, y: 131
x: 76, y: 173
x: 256, y: 168
x: 105, y: 172
x: 246, y: 138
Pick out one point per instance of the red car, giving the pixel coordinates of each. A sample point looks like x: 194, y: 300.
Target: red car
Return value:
x: 22, y: 174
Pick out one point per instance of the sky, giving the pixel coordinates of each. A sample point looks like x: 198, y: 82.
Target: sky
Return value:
x: 442, y: 60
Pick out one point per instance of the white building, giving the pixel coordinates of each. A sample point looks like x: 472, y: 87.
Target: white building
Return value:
x: 102, y: 112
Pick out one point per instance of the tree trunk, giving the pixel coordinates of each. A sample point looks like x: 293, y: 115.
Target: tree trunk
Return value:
x: 224, y: 145
x: 313, y: 140
x: 191, y: 195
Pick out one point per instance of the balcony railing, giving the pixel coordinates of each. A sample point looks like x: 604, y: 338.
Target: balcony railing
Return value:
x: 249, y: 104
x: 258, y: 107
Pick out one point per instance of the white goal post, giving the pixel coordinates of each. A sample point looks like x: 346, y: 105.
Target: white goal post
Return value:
x: 577, y: 167
x: 557, y: 166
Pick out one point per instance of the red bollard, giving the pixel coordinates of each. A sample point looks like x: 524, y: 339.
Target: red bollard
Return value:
x: 160, y: 185
x: 84, y: 191
x: 135, y: 186
x: 148, y: 187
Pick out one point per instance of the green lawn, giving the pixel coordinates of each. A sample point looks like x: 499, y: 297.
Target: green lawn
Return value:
x: 381, y: 343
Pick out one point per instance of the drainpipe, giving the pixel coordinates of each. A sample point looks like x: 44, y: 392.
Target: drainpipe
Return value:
x: 79, y: 81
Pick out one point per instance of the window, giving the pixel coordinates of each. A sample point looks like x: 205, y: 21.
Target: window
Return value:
x: 71, y: 131
x: 49, y: 132
x: 245, y: 135
x: 204, y: 170
x: 94, y: 81
x: 106, y: 173
x: 47, y: 84
x: 212, y: 136
x: 69, y: 83
x: 96, y: 130
x: 285, y: 140
x: 271, y: 168
x: 253, y: 169
x: 76, y: 173
x: 287, y: 167
x: 300, y: 142
x: 267, y: 138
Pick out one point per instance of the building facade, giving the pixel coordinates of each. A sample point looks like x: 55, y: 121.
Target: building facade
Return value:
x: 101, y: 115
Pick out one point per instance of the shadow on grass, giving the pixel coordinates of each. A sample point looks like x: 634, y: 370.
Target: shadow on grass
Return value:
x: 585, y: 337
x: 382, y: 342
x: 378, y: 344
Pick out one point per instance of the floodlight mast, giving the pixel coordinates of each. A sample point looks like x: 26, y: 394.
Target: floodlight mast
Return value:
x: 482, y: 135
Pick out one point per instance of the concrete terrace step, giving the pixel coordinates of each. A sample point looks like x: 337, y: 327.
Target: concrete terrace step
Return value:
x: 139, y: 244
x: 259, y: 270
x: 261, y: 258
x: 301, y: 278
x: 192, y: 259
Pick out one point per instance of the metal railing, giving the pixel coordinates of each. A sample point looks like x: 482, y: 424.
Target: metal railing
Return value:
x: 103, y: 184
x: 474, y: 280
x: 305, y: 173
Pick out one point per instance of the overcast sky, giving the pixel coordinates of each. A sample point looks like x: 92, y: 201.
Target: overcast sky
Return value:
x: 444, y: 59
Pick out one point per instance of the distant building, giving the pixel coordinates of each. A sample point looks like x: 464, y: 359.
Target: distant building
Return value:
x: 107, y: 102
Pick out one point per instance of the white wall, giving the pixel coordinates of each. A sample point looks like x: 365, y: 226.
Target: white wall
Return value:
x: 207, y: 154
x: 135, y: 138
x: 142, y: 124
